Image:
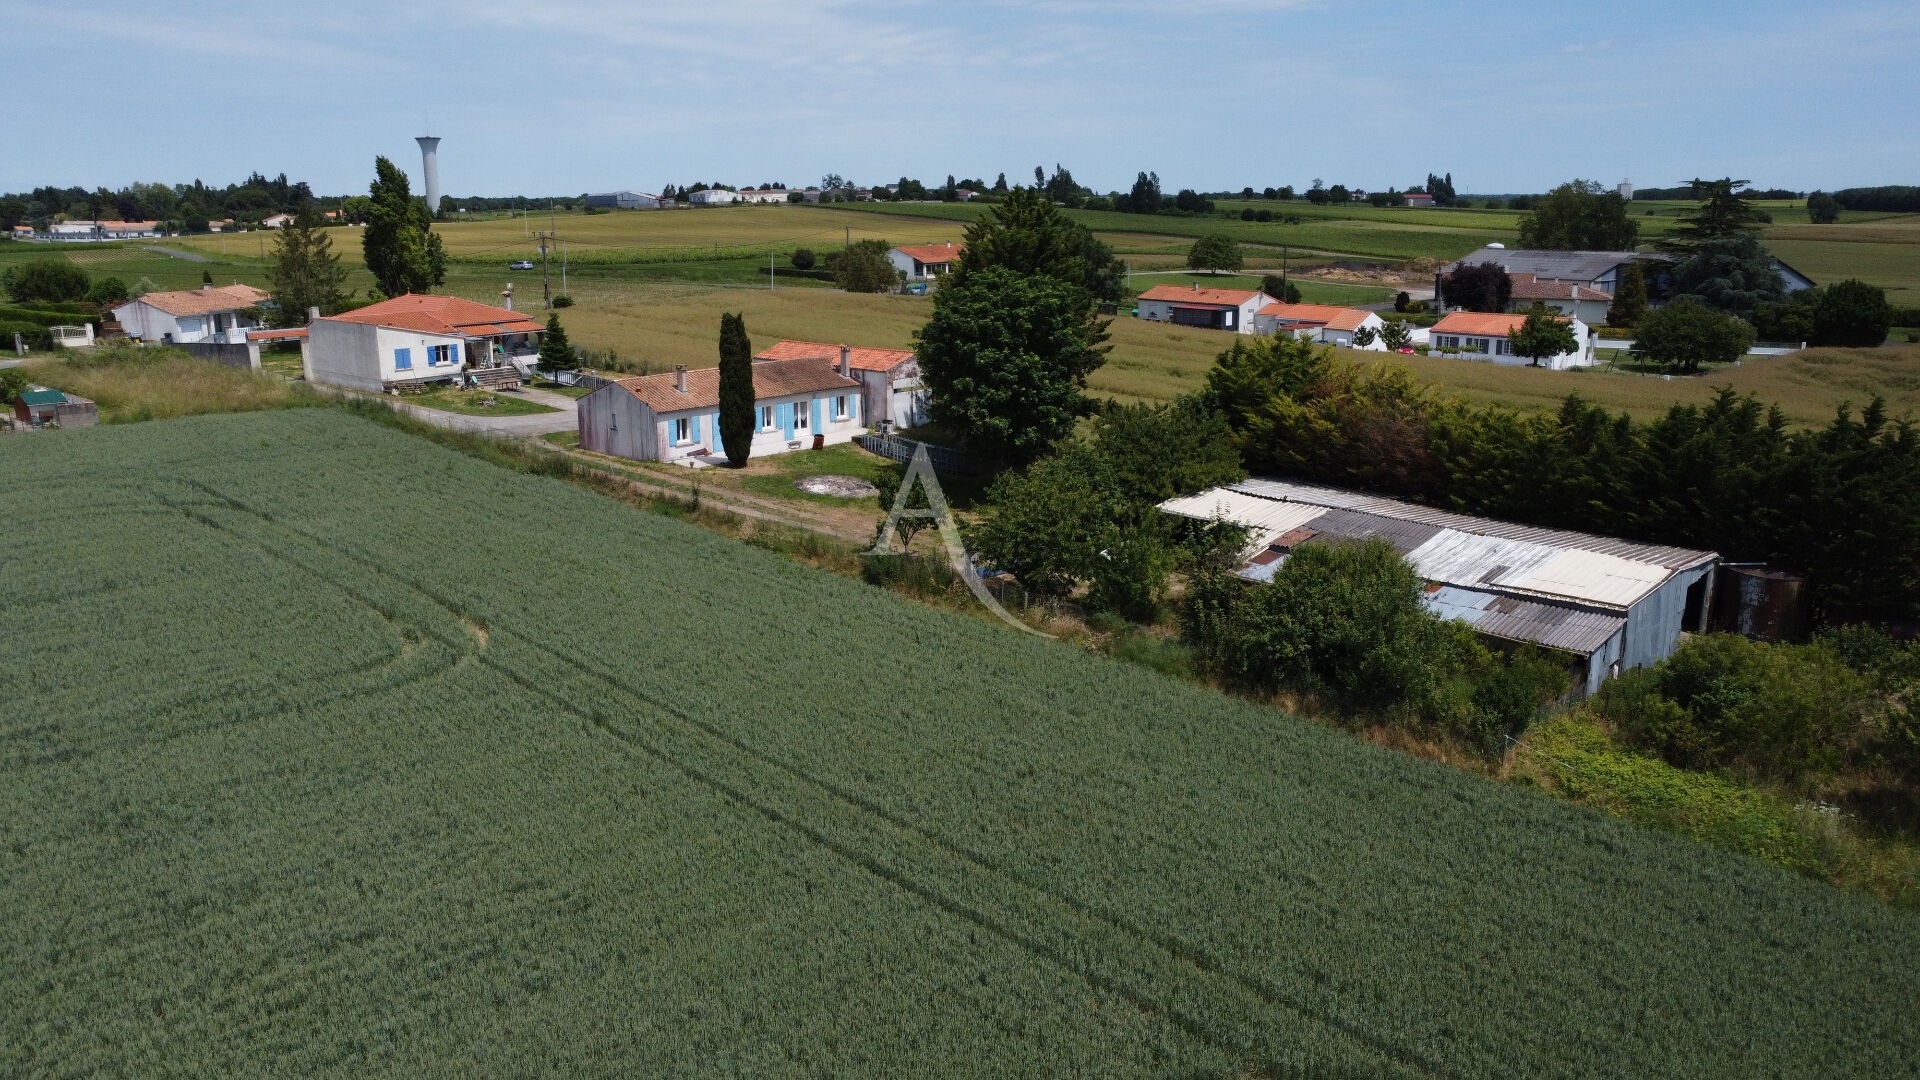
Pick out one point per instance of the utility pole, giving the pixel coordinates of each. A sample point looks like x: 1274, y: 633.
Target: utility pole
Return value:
x: 849, y: 240
x: 563, y: 269
x: 769, y: 270
x: 1283, y: 272
x: 546, y: 283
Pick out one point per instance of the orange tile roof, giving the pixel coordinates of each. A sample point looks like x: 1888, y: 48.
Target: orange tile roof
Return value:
x: 772, y: 379
x: 1328, y: 315
x: 1189, y: 294
x: 859, y: 357
x: 448, y: 315
x: 1528, y: 286
x: 203, y: 301
x: 1479, y: 323
x: 933, y: 254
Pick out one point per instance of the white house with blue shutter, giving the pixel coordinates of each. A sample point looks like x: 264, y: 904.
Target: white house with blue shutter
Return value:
x: 414, y: 340
x: 674, y: 416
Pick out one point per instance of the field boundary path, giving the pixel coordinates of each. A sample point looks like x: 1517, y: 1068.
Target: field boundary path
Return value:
x: 178, y: 254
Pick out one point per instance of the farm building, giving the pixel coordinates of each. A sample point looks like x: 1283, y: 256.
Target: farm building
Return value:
x: 1213, y: 309
x: 214, y: 314
x: 276, y: 221
x: 1606, y: 604
x: 38, y: 406
x: 1583, y: 302
x: 1595, y: 270
x: 1483, y: 336
x: 1322, y: 323
x: 624, y: 200
x: 713, y: 197
x: 414, y: 340
x: 1420, y: 200
x: 891, y: 391
x: 763, y: 195
x: 675, y: 415
x: 925, y: 261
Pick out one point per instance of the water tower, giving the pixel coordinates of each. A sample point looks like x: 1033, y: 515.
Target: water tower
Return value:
x: 430, y: 169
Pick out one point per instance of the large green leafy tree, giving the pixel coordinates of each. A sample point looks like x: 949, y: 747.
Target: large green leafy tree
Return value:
x: 1028, y: 233
x: 1214, y: 253
x: 400, y: 247
x: 1822, y: 208
x: 1006, y: 357
x: 736, y: 389
x: 1477, y: 287
x: 1543, y: 334
x: 1686, y: 334
x: 306, y: 272
x: 44, y: 280
x: 1579, y: 216
x: 863, y: 267
x: 1852, y: 313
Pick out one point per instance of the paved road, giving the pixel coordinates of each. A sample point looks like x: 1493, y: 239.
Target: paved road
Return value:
x: 517, y: 427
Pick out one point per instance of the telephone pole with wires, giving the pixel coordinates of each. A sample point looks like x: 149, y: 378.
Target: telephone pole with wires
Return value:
x: 546, y: 281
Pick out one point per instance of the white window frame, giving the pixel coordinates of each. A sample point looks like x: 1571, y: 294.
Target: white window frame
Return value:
x: 802, y: 411
x: 766, y: 418
x: 840, y: 408
x: 682, y: 430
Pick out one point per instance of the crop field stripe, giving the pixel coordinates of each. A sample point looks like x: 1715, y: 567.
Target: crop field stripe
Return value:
x: 898, y: 871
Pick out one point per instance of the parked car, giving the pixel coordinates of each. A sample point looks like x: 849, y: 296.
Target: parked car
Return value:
x: 522, y: 264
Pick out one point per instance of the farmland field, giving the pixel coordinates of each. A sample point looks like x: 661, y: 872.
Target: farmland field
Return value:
x: 303, y: 772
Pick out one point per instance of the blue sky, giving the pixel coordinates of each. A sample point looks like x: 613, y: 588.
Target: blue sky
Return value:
x: 546, y: 97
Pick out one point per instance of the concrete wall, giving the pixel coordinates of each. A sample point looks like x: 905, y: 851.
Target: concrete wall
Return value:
x: 360, y: 356
x: 244, y: 355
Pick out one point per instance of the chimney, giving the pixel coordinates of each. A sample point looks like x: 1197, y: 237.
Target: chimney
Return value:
x: 846, y: 361
x: 680, y: 377
x: 506, y: 296
x: 1196, y: 286
x: 312, y: 314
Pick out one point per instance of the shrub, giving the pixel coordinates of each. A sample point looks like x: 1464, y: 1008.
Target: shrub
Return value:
x: 803, y: 259
x: 107, y: 291
x: 563, y: 300
x: 44, y: 279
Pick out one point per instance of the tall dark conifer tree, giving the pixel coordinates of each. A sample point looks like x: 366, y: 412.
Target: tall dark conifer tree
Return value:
x: 736, y: 389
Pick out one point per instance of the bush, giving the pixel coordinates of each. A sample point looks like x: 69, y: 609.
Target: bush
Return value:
x: 1723, y: 702
x: 1851, y: 313
x: 107, y: 291
x: 803, y: 259
x: 44, y: 280
x: 34, y: 335
x: 563, y: 300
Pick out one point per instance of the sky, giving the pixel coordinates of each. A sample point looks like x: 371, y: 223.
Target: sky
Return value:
x: 554, y: 97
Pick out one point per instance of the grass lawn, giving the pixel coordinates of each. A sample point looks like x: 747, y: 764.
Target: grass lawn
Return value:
x: 561, y: 388
x: 477, y: 402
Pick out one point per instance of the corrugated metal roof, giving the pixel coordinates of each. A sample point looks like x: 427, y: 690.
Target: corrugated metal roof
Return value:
x: 1265, y: 519
x: 1673, y: 558
x: 1590, y: 575
x: 1556, y: 626
x: 42, y: 397
x: 1460, y: 558
x: 1405, y: 536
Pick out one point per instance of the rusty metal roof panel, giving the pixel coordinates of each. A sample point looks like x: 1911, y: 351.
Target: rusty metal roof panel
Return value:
x: 1554, y: 626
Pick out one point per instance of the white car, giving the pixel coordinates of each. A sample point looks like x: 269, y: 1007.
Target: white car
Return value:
x: 523, y: 264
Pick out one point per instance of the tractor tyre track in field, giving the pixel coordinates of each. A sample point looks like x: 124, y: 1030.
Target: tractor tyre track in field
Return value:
x: 1182, y: 964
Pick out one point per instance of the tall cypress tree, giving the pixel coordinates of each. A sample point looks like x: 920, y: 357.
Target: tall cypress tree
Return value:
x: 556, y: 352
x: 400, y: 248
x: 736, y: 389
x: 1629, y: 297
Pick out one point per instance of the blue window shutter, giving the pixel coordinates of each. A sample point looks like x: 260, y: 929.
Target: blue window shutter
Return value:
x: 453, y: 353
x: 815, y: 404
x: 403, y: 358
x: 785, y: 411
x: 696, y: 429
